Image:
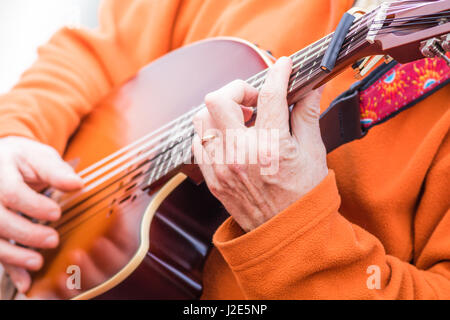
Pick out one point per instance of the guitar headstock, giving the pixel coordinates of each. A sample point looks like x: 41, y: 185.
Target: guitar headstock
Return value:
x: 411, y: 30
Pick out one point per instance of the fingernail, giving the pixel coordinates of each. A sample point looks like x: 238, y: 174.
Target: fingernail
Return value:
x: 33, y: 263
x: 51, y: 241
x: 72, y: 176
x: 284, y: 59
x: 78, y: 179
x: 54, y: 215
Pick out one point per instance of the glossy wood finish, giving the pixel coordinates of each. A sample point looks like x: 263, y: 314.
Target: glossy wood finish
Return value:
x: 103, y: 236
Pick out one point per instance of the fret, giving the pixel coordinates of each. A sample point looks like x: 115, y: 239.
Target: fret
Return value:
x: 357, y: 26
x: 305, y: 58
x: 153, y: 170
x: 178, y: 151
x: 159, y: 159
x: 175, y: 151
x: 185, y: 147
x: 166, y: 159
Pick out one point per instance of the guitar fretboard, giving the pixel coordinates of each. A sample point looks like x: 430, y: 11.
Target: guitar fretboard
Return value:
x: 176, y: 151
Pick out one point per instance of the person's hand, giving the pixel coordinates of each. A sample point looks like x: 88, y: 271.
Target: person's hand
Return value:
x: 27, y: 167
x: 288, y: 164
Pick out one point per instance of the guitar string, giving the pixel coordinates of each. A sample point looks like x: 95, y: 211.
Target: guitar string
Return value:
x: 174, y: 121
x: 162, y: 155
x: 399, y: 20
x: 103, y: 170
x: 141, y: 140
x: 170, y: 159
x: 256, y: 76
x: 401, y: 28
x: 154, y: 150
x: 261, y: 74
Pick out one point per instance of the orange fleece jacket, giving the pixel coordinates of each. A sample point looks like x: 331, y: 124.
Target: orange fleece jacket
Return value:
x: 385, y: 202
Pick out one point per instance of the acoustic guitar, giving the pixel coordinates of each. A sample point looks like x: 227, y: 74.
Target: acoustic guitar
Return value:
x: 142, y: 226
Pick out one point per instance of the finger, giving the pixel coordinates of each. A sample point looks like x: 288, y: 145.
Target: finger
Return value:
x: 273, y: 110
x: 203, y: 160
x: 204, y: 125
x: 225, y: 104
x: 305, y: 120
x: 19, y: 257
x: 25, y: 232
x: 50, y: 168
x: 18, y: 196
x: 20, y: 277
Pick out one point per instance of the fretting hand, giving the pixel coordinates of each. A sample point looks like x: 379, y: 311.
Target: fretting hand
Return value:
x: 252, y: 191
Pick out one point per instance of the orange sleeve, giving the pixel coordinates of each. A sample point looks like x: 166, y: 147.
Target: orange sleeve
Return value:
x: 310, y: 251
x: 77, y: 68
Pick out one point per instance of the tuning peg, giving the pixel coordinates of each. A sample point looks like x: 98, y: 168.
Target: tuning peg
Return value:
x: 429, y: 47
x: 446, y: 42
x: 433, y: 48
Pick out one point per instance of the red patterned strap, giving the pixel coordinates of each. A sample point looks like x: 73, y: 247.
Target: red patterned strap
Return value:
x: 400, y: 88
x: 387, y: 91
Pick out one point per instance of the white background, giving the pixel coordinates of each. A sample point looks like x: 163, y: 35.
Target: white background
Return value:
x: 26, y: 24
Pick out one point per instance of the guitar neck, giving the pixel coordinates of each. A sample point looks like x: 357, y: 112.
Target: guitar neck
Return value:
x: 306, y: 76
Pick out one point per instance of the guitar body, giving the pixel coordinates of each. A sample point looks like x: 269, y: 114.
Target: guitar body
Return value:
x: 133, y: 243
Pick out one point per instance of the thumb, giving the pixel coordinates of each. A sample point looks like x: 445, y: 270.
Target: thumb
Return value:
x: 305, y: 120
x: 51, y: 169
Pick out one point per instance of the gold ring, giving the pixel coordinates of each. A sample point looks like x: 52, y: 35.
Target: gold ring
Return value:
x: 208, y: 139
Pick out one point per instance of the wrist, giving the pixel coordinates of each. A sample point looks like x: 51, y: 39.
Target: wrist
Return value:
x: 240, y: 248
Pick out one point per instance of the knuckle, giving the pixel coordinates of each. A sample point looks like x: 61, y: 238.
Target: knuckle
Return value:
x: 311, y: 115
x: 267, y: 96
x: 238, y: 169
x: 197, y: 119
x: 27, y: 236
x: 201, y: 115
x: 222, y: 175
x: 239, y: 86
x: 212, y: 99
x: 289, y: 151
x: 215, y: 188
x: 10, y: 196
x: 239, y: 83
x: 50, y: 151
